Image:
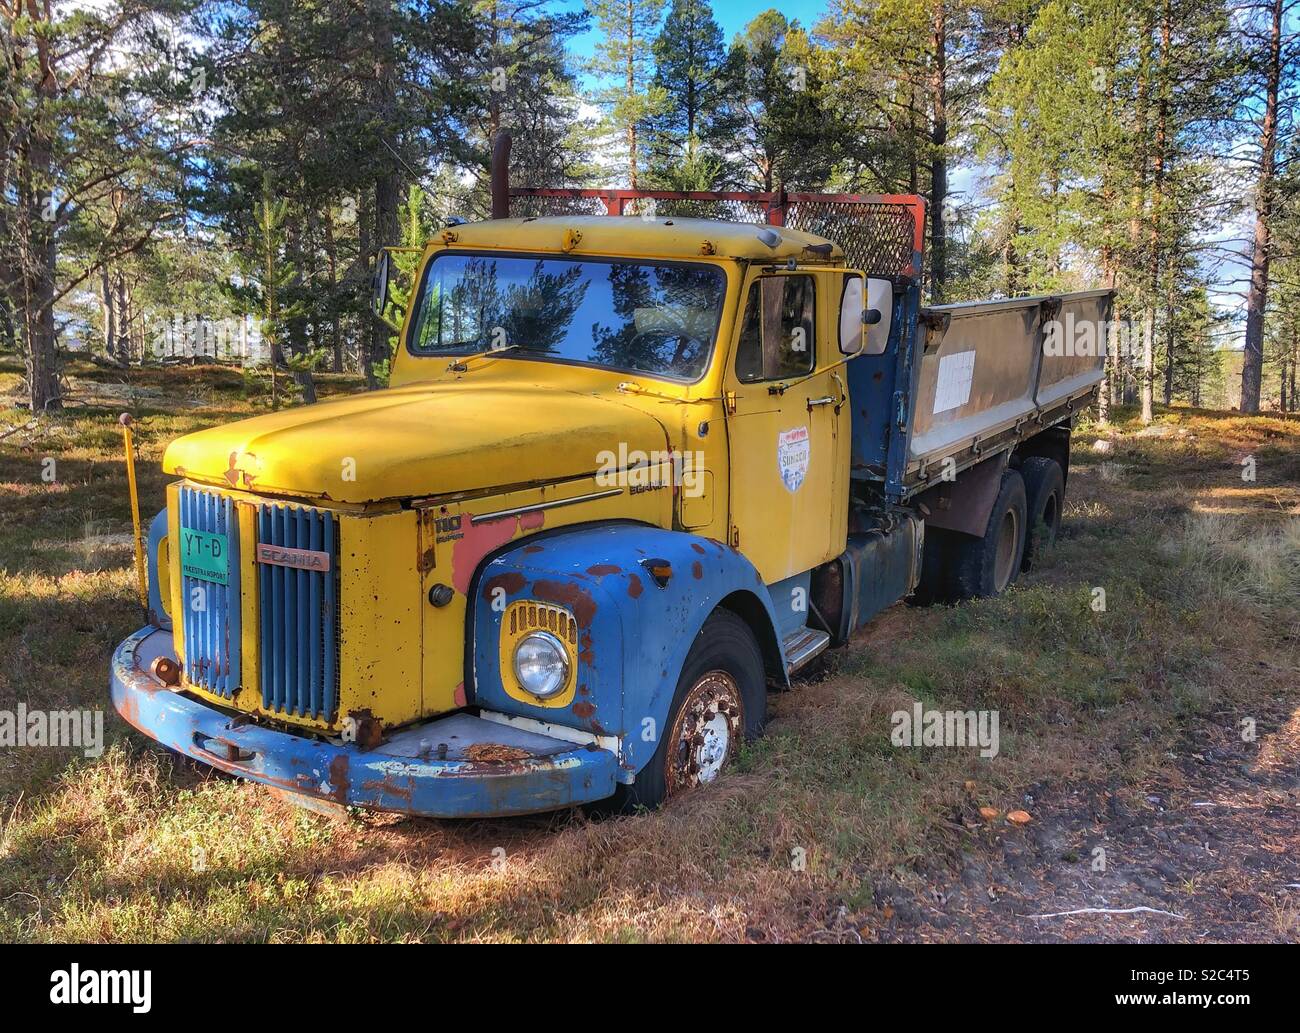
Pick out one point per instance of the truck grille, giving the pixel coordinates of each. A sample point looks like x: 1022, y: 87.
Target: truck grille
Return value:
x: 299, y: 618
x: 211, y: 610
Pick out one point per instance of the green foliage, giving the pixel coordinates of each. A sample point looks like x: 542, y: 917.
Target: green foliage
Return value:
x: 691, y: 135
x: 622, y: 62
x: 775, y: 100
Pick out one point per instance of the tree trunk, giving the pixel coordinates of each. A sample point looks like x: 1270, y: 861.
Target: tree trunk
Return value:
x: 387, y: 184
x: 1252, y: 364
x: 1154, y: 240
x: 631, y: 91
x: 939, y: 150
x: 331, y: 256
x: 108, y: 305
x: 39, y: 258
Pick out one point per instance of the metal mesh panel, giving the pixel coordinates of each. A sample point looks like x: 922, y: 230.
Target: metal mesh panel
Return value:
x: 876, y: 237
x: 685, y: 208
x: 535, y: 207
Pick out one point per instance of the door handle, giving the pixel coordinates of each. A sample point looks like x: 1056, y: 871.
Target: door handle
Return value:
x: 839, y: 384
x: 826, y: 400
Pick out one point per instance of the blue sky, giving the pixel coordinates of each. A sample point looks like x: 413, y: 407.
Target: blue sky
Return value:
x: 731, y: 16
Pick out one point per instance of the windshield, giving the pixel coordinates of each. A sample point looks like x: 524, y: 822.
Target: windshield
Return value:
x: 659, y: 318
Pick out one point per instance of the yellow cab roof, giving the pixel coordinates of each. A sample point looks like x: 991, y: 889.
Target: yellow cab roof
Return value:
x: 663, y: 237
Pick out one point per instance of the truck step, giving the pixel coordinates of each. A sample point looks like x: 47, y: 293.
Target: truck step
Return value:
x: 801, y: 646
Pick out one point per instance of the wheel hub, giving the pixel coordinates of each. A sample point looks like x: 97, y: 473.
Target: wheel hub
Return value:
x: 704, y: 735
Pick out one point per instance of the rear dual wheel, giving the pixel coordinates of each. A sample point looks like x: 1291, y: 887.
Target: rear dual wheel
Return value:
x: 990, y: 564
x: 1045, y: 498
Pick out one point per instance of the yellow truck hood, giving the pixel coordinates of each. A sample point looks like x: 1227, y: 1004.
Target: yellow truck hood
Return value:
x: 418, y: 440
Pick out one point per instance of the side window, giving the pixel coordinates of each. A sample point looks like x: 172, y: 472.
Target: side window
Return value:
x: 777, y: 335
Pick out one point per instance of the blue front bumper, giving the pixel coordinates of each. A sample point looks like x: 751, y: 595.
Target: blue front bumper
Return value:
x: 398, y: 775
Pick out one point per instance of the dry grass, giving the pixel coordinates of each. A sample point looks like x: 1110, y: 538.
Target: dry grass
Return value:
x: 1201, y: 604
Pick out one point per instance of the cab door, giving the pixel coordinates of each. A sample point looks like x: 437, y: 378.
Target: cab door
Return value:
x: 787, y: 424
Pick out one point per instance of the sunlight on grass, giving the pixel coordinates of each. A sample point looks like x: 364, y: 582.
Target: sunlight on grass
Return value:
x: 138, y: 845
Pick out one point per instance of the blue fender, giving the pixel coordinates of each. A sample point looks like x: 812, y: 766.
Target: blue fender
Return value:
x: 633, y: 632
x: 157, y: 532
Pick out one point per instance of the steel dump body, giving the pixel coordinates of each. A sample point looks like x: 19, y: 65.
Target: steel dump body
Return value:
x: 987, y: 381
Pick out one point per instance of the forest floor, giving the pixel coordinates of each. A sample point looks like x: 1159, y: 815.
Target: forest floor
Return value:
x: 1153, y: 744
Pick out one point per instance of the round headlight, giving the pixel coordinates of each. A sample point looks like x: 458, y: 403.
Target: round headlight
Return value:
x: 541, y: 664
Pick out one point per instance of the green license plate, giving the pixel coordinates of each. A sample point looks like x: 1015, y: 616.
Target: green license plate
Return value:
x: 204, y: 556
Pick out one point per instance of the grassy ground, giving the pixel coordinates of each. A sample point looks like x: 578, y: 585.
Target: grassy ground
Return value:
x: 1201, y: 575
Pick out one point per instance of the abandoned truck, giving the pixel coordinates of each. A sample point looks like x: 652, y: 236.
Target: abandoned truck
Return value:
x: 630, y: 473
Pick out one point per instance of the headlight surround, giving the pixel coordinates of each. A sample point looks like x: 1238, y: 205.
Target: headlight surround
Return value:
x: 541, y: 664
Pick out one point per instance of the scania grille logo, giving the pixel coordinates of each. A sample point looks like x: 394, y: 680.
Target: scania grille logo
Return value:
x: 299, y: 559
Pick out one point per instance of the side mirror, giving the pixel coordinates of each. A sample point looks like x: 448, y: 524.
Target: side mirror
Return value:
x: 852, y: 316
x: 878, y: 315
x: 379, y: 285
x: 866, y: 308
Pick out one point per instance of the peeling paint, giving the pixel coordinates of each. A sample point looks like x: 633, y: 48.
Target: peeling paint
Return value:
x: 565, y: 593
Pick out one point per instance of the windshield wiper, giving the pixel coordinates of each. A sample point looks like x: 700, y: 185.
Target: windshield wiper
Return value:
x: 461, y: 365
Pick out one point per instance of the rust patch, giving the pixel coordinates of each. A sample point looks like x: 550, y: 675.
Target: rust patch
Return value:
x: 584, y: 709
x: 530, y: 549
x: 585, y: 653
x: 601, y: 569
x: 388, y: 787
x: 634, y: 586
x: 370, y: 730
x: 511, y: 581
x: 698, y: 547
x: 339, y: 777
x: 494, y: 753
x: 697, y: 570
x: 234, y: 470
x: 575, y: 597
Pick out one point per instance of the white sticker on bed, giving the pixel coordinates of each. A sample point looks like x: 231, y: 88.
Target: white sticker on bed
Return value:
x: 953, y: 388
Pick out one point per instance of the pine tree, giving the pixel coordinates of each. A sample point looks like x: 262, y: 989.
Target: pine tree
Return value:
x: 689, y: 137
x: 90, y: 140
x: 623, y: 60
x: 776, y: 99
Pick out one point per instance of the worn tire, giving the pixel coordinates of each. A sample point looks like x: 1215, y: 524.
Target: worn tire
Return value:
x: 989, y: 564
x: 1045, y: 498
x: 725, y: 646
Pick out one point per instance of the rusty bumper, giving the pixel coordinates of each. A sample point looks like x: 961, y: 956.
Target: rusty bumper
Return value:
x: 460, y: 766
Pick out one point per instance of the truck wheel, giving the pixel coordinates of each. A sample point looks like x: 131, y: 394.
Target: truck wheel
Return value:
x: 1045, y: 492
x: 988, y: 565
x: 721, y: 700
x: 933, y: 585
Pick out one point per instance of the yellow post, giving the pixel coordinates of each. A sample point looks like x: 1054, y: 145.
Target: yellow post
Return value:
x: 141, y: 584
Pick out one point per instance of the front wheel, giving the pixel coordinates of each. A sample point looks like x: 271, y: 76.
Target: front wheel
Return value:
x: 720, y: 702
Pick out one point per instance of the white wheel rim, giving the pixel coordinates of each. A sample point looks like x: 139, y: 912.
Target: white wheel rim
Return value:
x: 711, y: 754
x: 704, y: 733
